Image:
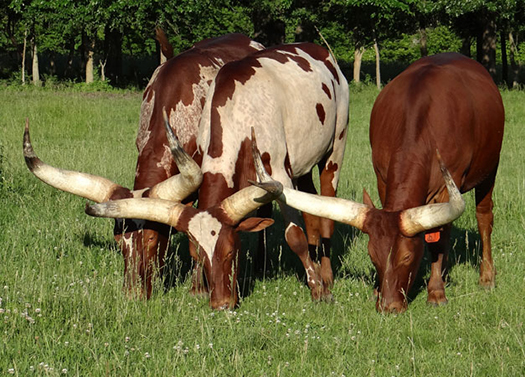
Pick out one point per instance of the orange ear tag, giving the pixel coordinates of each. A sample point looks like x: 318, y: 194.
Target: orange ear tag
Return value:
x: 432, y: 237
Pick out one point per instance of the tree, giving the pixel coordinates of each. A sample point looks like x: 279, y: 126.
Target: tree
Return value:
x: 370, y: 21
x: 482, y: 19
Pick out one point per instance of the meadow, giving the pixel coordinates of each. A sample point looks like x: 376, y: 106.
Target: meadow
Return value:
x: 62, y: 310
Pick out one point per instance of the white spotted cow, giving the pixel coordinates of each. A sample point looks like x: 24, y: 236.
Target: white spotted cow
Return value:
x: 296, y: 100
x: 180, y: 85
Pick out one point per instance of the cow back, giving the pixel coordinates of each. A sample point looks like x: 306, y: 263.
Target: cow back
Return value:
x: 180, y: 85
x: 296, y: 99
x: 446, y: 102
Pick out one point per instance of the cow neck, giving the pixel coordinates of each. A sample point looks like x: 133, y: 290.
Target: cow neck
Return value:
x: 214, y: 189
x: 407, y: 181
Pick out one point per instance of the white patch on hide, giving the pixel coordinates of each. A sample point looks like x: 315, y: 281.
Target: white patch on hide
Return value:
x: 310, y: 273
x: 281, y: 102
x: 185, y: 119
x: 165, y: 162
x: 129, y: 240
x: 204, y: 229
x: 138, y: 193
x: 256, y: 45
x: 146, y: 110
x: 154, y: 76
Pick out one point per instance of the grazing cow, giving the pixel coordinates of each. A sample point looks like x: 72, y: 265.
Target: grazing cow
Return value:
x: 296, y: 100
x: 180, y: 85
x: 445, y: 102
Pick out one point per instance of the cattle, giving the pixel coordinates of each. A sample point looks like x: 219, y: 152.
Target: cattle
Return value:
x: 180, y: 85
x: 448, y: 103
x: 296, y: 100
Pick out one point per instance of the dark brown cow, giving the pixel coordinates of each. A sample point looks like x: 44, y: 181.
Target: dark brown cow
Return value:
x: 296, y: 100
x: 446, y: 102
x: 180, y: 86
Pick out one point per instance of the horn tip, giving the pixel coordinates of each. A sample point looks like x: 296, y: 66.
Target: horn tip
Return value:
x: 29, y: 154
x: 95, y: 210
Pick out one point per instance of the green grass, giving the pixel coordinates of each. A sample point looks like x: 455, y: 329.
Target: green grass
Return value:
x: 62, y: 309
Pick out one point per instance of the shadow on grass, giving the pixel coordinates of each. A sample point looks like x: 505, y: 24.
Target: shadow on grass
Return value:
x: 91, y: 240
x: 465, y: 249
x: 281, y: 261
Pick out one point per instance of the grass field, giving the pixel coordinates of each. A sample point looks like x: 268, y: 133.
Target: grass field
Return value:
x: 62, y: 310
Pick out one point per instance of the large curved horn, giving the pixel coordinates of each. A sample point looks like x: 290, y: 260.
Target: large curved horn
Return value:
x: 97, y: 189
x: 419, y: 219
x: 158, y: 210
x: 240, y: 204
x: 337, y: 209
x: 182, y: 185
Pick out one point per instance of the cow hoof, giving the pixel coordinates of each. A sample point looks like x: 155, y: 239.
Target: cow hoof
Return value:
x: 436, y: 304
x: 328, y: 298
x: 397, y: 307
x: 437, y: 298
x: 487, y: 282
x: 199, y: 293
x: 316, y: 292
x: 221, y: 307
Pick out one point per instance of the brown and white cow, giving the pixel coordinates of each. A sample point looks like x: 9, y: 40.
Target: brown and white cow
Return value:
x: 180, y: 85
x: 446, y: 102
x: 296, y: 100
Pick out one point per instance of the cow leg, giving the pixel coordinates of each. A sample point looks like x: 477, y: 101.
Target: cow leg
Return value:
x: 319, y: 232
x: 329, y: 179
x: 439, y: 257
x: 261, y: 258
x: 485, y: 218
x: 198, y: 282
x: 297, y: 241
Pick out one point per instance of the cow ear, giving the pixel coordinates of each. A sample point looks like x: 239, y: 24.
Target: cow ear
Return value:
x: 254, y: 224
x: 367, y: 200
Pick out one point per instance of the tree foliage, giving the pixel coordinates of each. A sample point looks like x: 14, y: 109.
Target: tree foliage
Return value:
x: 119, y: 32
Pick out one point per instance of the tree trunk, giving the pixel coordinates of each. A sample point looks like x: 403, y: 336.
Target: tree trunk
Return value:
x: 36, y: 71
x: 358, y: 58
x: 89, y: 63
x: 515, y: 68
x: 103, y: 70
x: 113, y: 53
x: 479, y: 46
x: 24, y: 59
x: 52, y: 64
x: 378, y: 65
x: 465, y: 47
x: 69, y: 71
x: 423, y: 42
x: 504, y: 62
x: 488, y: 46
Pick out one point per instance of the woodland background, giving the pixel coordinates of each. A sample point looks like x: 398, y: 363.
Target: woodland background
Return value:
x: 111, y: 43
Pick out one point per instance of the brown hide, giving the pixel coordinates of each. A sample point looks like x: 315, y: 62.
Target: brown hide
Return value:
x: 174, y: 83
x: 446, y: 102
x: 222, y: 272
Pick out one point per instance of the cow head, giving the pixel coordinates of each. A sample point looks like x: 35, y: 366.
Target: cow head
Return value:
x: 395, y: 245
x: 395, y: 255
x: 213, y: 232
x: 143, y: 244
